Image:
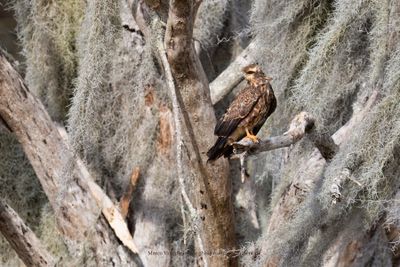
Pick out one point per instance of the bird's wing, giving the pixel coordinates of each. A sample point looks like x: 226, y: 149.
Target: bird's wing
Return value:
x: 237, y: 111
x: 271, y: 106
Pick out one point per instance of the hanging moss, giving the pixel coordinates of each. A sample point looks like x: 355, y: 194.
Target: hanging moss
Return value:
x: 19, y: 188
x: 47, y: 31
x: 352, y: 56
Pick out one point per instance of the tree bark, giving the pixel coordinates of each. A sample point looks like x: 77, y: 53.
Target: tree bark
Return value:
x: 22, y: 239
x: 76, y: 200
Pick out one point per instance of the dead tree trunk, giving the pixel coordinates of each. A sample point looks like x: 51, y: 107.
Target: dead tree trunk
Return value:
x: 76, y: 200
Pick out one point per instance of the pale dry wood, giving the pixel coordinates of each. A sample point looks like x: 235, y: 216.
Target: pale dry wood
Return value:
x: 111, y: 212
x: 300, y: 125
x: 74, y: 196
x: 22, y: 239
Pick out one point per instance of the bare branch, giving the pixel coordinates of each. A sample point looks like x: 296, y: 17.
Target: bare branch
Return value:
x: 22, y: 239
x: 232, y: 75
x: 109, y: 210
x: 300, y: 125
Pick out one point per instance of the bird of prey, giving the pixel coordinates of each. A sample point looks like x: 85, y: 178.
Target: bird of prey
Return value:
x: 246, y: 114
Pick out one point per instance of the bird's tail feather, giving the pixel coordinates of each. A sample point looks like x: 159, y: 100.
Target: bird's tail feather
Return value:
x: 220, y: 148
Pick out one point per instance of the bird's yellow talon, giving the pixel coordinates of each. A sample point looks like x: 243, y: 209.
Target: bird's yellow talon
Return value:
x: 252, y: 137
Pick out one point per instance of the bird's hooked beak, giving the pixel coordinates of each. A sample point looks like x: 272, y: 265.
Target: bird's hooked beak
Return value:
x: 268, y: 78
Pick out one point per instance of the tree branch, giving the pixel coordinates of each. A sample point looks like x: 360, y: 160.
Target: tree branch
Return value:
x: 178, y: 128
x: 232, y: 75
x: 22, y: 239
x: 58, y: 170
x: 340, y: 136
x: 300, y: 125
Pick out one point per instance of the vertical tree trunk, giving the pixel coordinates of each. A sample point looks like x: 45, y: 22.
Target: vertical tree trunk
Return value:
x: 212, y: 188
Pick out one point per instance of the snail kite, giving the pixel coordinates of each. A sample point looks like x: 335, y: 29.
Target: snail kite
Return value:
x: 246, y: 114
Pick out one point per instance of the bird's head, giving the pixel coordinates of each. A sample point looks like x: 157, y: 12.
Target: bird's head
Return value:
x: 253, y: 71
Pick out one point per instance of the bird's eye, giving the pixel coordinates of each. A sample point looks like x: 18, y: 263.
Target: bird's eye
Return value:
x: 250, y: 72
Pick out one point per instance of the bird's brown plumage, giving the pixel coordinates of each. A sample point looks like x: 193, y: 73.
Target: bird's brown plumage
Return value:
x: 249, y: 110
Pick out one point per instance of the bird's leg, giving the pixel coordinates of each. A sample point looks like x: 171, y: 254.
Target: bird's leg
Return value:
x: 251, y: 136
